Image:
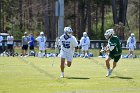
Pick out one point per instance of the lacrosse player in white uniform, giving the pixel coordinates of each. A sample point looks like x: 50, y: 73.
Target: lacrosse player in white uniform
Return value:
x: 85, y: 44
x: 68, y: 44
x: 131, y: 45
x: 42, y: 47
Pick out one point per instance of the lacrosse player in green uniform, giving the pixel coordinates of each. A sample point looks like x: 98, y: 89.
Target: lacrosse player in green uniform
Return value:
x: 114, y: 48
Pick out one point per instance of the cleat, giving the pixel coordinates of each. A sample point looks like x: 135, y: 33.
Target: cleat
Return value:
x: 62, y: 76
x: 109, y: 73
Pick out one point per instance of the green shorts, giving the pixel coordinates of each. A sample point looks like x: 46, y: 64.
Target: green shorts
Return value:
x: 116, y: 58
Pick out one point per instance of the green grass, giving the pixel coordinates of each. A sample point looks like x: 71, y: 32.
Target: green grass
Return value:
x: 37, y: 75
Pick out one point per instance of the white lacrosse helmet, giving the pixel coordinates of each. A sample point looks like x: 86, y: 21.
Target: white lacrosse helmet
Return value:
x: 68, y: 30
x: 109, y: 33
x: 25, y: 33
x: 41, y: 33
x: 132, y: 34
x: 84, y: 34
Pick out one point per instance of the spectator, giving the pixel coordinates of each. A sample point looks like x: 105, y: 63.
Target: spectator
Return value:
x: 31, y: 43
x: 25, y: 40
x: 10, y: 44
x: 1, y: 46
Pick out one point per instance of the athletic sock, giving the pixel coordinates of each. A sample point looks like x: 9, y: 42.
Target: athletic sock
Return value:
x: 108, y: 69
x: 62, y: 74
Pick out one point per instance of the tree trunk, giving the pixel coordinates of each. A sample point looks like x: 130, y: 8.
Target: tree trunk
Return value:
x: 46, y: 18
x: 89, y: 17
x: 96, y: 20
x: 115, y: 18
x: 102, y: 27
x: 78, y: 22
x: 121, y: 11
x: 83, y: 14
x: 139, y: 20
x: 0, y: 16
x: 50, y: 30
x: 125, y: 3
x: 30, y: 15
x: 21, y: 15
x: 53, y: 25
x: 74, y: 23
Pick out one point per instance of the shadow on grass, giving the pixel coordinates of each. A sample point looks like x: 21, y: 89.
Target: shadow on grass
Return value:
x: 77, y: 78
x: 121, y: 77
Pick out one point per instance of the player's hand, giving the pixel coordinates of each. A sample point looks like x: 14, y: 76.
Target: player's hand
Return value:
x: 127, y: 46
x: 79, y: 46
x: 106, y: 48
x: 76, y: 47
x: 134, y: 46
x: 29, y: 42
x: 102, y: 50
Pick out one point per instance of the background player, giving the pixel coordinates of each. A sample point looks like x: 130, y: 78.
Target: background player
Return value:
x: 85, y: 44
x: 42, y: 44
x: 131, y: 45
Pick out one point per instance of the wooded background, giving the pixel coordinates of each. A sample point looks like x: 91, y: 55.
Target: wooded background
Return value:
x: 92, y: 16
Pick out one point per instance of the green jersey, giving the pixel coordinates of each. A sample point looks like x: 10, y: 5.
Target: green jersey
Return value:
x: 114, y: 41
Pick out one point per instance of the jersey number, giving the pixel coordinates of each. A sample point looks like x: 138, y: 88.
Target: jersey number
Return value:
x: 132, y: 40
x: 85, y: 40
x: 66, y: 44
x: 42, y: 39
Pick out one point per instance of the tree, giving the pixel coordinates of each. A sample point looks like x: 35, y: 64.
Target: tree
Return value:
x: 20, y: 15
x: 1, y: 16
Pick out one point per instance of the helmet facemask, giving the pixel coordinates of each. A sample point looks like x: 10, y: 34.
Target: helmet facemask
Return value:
x: 85, y: 34
x: 68, y: 31
x: 41, y: 33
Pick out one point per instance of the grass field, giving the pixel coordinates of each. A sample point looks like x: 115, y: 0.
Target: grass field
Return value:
x: 37, y: 75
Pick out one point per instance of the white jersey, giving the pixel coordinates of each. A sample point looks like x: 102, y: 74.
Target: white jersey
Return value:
x: 1, y: 38
x: 85, y: 41
x: 10, y: 39
x: 68, y: 45
x: 131, y: 42
x: 41, y: 40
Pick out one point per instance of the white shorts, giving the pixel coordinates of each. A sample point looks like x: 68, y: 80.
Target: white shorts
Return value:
x: 131, y: 48
x: 42, y: 48
x: 66, y: 55
x: 85, y: 48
